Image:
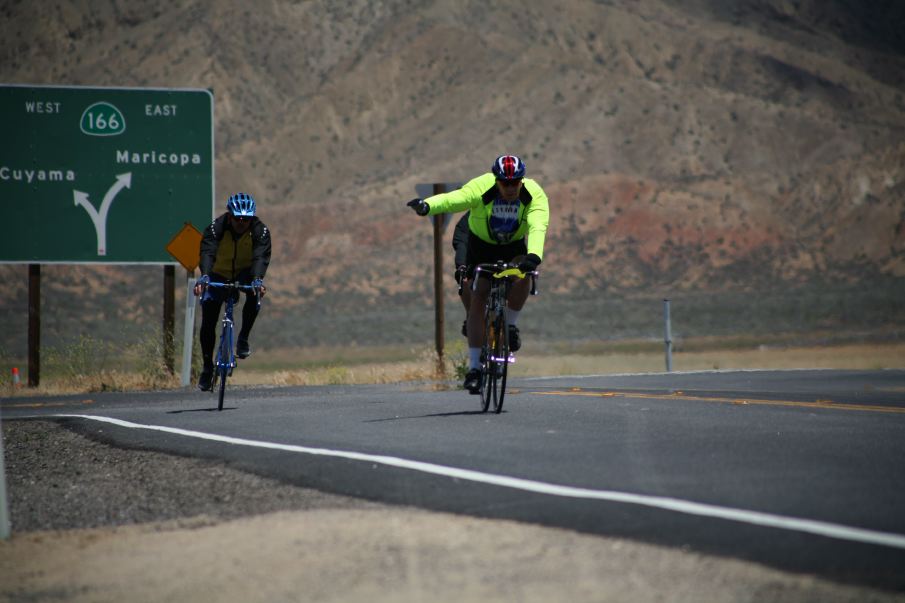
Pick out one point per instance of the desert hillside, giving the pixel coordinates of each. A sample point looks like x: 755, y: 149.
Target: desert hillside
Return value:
x: 685, y: 146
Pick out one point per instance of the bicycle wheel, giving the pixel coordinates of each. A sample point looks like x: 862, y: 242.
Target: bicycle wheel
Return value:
x: 490, y: 376
x: 224, y: 358
x: 223, y: 373
x: 502, y: 354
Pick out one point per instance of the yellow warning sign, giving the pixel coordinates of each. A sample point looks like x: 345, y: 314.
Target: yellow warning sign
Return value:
x: 186, y: 247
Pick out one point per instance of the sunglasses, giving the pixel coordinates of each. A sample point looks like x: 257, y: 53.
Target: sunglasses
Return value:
x: 510, y: 182
x: 242, y: 219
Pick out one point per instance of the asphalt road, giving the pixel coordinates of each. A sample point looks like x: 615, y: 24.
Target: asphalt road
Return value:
x: 800, y: 470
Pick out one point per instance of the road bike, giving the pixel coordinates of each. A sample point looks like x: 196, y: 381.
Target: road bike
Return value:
x: 495, y: 354
x: 226, y: 349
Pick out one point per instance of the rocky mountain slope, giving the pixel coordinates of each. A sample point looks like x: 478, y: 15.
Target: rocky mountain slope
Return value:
x: 685, y: 145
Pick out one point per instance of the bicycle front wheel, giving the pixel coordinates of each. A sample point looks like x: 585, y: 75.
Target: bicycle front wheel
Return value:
x: 223, y: 374
x: 502, y: 356
x: 487, y: 382
x: 224, y: 361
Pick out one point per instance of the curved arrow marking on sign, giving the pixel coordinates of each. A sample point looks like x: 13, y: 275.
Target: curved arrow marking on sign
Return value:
x: 100, y: 217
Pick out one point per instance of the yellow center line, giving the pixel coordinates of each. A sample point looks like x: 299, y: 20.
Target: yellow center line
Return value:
x: 45, y: 404
x: 737, y: 401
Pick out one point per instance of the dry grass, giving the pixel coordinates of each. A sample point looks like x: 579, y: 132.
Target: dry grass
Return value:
x: 336, y: 375
x: 330, y: 366
x: 855, y: 356
x: 423, y: 367
x: 852, y: 356
x: 98, y: 382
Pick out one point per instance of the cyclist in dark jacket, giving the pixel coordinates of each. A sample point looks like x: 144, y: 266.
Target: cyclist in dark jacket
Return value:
x: 234, y: 248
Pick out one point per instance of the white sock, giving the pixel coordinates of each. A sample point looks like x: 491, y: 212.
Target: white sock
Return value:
x: 512, y: 316
x: 474, y: 358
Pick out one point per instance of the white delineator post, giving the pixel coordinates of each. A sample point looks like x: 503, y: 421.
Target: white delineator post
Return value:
x: 189, y: 330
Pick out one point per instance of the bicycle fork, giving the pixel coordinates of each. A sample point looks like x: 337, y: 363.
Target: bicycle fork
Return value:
x: 224, y: 354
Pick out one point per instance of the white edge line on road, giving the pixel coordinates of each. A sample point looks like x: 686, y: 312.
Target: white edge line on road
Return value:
x: 820, y: 528
x: 679, y: 373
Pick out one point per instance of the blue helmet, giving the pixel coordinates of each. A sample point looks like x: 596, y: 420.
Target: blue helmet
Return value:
x: 241, y: 205
x: 508, y: 167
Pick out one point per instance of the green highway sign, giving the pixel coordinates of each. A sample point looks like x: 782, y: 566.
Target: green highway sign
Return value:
x: 103, y: 175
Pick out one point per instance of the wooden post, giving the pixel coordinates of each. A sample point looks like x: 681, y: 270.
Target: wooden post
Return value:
x: 169, y: 312
x: 438, y: 283
x: 34, y: 325
x: 4, y: 501
x: 667, y: 329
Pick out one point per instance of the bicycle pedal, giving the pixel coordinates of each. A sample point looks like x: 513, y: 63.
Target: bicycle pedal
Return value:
x: 500, y: 359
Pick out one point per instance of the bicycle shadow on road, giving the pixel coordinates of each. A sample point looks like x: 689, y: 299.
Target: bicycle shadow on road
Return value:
x: 436, y: 414
x: 213, y: 409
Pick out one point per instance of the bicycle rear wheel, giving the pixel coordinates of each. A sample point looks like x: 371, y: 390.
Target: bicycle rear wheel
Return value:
x: 502, y: 355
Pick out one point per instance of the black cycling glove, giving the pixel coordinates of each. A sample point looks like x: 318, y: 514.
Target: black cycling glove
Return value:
x: 529, y: 263
x: 421, y: 208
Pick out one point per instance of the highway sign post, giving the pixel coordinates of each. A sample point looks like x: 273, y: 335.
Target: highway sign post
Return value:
x: 4, y: 500
x: 101, y: 176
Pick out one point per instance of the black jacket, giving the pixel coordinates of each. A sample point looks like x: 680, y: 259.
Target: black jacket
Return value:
x: 460, y: 240
x: 260, y: 245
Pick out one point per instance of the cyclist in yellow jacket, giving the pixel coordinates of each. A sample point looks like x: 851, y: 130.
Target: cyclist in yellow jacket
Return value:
x: 508, y: 218
x: 234, y: 248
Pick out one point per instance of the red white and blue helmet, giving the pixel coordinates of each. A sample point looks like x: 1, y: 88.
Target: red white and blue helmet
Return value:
x: 241, y: 205
x: 508, y: 167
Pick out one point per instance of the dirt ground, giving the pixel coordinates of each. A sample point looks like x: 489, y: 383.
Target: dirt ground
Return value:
x: 377, y: 555
x: 92, y: 523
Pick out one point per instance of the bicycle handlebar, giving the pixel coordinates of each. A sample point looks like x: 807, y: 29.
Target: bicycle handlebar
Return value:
x: 504, y: 270
x: 237, y: 287
x: 511, y: 272
x: 230, y: 286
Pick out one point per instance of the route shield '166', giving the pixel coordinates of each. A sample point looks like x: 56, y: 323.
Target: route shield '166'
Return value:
x: 103, y: 175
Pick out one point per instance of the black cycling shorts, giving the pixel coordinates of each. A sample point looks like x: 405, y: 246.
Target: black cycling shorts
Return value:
x: 481, y: 252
